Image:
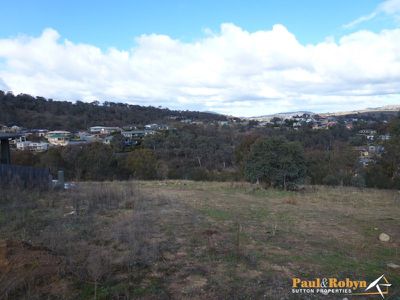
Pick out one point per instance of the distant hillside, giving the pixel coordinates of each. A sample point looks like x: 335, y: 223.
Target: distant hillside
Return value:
x: 38, y: 112
x: 388, y: 109
x: 284, y: 115
x: 385, y: 109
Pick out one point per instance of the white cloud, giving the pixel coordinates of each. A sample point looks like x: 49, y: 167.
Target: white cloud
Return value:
x: 3, y: 85
x: 232, y: 71
x: 390, y: 7
x: 361, y: 19
x: 387, y: 7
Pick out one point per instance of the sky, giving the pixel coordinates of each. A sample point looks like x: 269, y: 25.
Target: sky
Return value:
x: 242, y: 58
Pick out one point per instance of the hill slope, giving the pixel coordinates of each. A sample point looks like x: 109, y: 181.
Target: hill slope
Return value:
x: 38, y: 112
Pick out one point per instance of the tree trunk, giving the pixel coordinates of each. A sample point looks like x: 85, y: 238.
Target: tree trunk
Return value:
x: 199, y: 160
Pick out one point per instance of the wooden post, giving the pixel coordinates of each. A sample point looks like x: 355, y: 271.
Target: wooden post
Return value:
x: 5, y: 152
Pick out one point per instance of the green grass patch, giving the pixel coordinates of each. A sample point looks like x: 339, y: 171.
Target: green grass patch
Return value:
x: 269, y: 193
x: 217, y: 214
x: 259, y: 214
x: 282, y: 259
x: 335, y: 263
x: 87, y: 292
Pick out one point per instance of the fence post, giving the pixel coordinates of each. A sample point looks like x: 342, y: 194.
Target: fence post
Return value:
x: 5, y: 151
x: 60, y: 179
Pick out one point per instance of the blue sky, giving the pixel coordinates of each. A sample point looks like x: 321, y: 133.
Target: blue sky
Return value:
x: 235, y: 57
x: 116, y: 23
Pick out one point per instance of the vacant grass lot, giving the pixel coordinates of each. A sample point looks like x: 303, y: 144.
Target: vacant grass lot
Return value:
x: 199, y: 240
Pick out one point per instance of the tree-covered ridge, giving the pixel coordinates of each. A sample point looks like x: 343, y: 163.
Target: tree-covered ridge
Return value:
x: 38, y: 112
x: 355, y: 150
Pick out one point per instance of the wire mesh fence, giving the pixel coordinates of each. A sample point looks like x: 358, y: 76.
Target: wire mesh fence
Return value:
x: 25, y: 177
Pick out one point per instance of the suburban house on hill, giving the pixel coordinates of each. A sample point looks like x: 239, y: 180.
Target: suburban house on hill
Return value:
x: 368, y: 133
x: 33, y: 146
x: 156, y: 127
x: 104, y: 130
x: 59, y: 137
x: 39, y: 132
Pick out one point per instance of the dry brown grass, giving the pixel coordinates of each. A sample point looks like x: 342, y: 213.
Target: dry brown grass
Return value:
x: 320, y: 232
x: 209, y: 240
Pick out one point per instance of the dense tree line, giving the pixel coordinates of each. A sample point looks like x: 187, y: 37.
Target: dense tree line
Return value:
x: 274, y: 155
x: 196, y: 152
x: 38, y: 112
x: 385, y: 172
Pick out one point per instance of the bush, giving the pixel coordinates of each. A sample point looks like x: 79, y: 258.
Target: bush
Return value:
x: 199, y: 174
x: 275, y: 162
x: 331, y: 179
x: 142, y: 164
x: 358, y: 181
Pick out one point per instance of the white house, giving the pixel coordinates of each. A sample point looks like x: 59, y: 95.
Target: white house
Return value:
x: 104, y: 130
x: 41, y: 132
x: 151, y: 126
x: 155, y: 127
x: 384, y: 137
x: 32, y: 146
x: 59, y: 137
